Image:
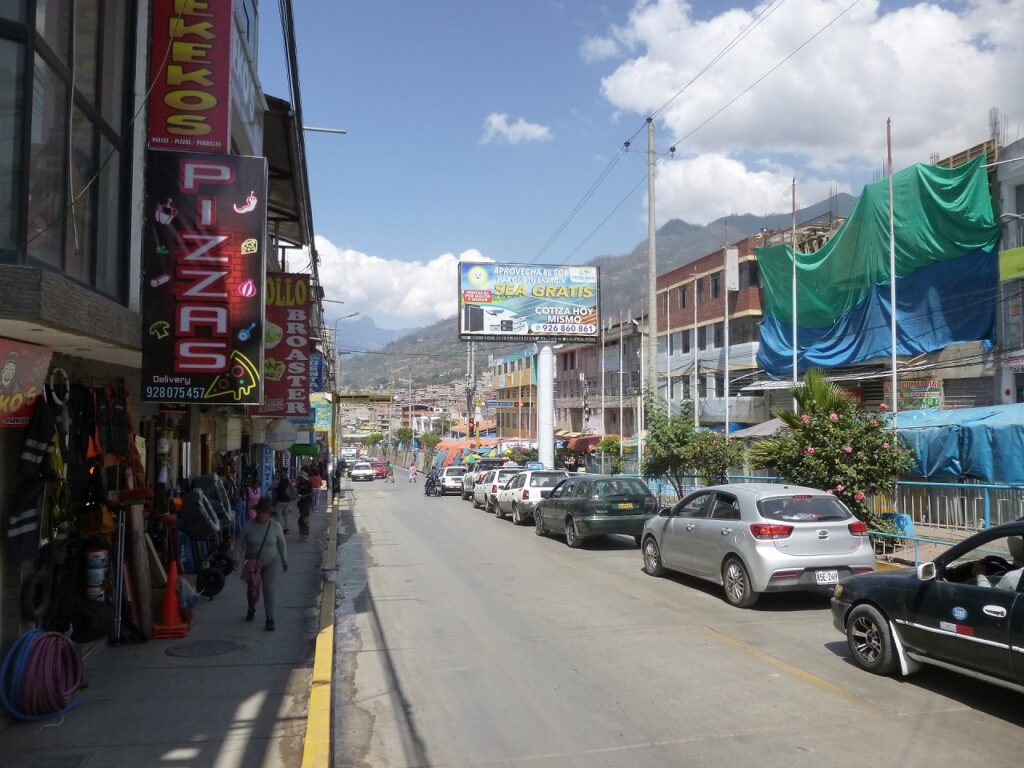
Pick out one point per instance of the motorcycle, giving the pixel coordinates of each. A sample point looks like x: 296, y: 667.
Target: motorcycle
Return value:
x: 434, y: 488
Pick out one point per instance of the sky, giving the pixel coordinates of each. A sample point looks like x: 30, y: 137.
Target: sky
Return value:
x: 494, y: 129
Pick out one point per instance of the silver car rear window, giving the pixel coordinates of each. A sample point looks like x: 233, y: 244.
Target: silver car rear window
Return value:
x: 803, y: 508
x: 545, y: 479
x: 455, y: 471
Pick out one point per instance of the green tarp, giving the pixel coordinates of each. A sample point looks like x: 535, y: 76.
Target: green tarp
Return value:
x: 941, y: 214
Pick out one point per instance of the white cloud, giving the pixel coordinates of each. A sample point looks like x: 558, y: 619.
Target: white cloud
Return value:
x: 397, y: 294
x: 599, y: 49
x: 498, y: 128
x: 703, y: 188
x: 934, y: 70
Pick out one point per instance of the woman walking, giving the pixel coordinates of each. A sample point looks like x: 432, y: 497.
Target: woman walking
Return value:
x: 263, y: 548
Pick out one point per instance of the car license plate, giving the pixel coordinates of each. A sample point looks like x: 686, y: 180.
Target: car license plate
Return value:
x: 826, y: 577
x: 624, y: 505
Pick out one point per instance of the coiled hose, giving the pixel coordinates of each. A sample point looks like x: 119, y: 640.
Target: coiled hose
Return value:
x: 40, y: 676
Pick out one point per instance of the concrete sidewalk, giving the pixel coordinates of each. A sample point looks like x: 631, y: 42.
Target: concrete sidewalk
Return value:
x: 230, y: 695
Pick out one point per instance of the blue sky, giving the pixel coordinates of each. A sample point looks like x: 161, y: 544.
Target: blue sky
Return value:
x: 419, y: 182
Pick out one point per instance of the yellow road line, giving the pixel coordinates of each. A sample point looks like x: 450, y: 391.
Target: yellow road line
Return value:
x: 316, y: 748
x: 785, y: 666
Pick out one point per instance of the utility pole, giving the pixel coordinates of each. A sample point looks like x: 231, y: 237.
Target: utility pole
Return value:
x: 651, y: 371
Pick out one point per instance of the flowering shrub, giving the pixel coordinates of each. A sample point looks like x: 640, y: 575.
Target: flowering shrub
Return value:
x: 832, y: 445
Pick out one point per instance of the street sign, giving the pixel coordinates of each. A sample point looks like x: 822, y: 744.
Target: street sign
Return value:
x: 498, y: 403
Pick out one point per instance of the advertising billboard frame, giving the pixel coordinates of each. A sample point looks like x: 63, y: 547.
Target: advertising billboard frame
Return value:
x: 530, y: 293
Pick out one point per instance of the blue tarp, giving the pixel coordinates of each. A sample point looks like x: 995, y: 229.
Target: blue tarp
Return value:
x: 939, y: 305
x: 984, y: 444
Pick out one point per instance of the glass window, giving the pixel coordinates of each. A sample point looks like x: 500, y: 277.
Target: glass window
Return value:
x: 114, y: 53
x: 563, y: 490
x: 700, y: 290
x: 803, y: 509
x: 750, y: 276
x: 87, y: 19
x: 694, y: 506
x: 13, y: 10
x: 716, y: 285
x: 686, y: 341
x: 582, y: 490
x: 997, y: 563
x: 47, y: 188
x: 78, y: 240
x: 702, y: 337
x: 682, y: 296
x: 53, y: 24
x: 726, y: 508
x: 11, y: 117
x: 545, y: 479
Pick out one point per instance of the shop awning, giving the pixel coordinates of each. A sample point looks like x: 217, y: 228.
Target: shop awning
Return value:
x: 583, y: 444
x: 288, y: 212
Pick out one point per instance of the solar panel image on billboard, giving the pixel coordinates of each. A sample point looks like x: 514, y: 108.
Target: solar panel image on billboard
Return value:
x: 536, y: 302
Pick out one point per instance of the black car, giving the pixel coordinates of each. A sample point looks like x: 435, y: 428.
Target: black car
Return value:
x: 964, y: 611
x: 584, y: 506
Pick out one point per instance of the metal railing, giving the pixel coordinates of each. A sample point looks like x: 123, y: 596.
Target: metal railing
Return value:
x: 953, y: 507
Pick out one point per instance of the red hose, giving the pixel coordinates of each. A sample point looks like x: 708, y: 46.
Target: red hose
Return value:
x: 52, y: 675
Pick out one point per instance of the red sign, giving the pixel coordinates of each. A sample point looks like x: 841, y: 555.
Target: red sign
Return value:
x: 23, y: 369
x: 203, y: 278
x: 286, y: 347
x: 190, y: 68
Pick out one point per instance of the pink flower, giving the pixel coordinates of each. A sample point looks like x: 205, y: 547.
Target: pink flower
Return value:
x: 873, y: 422
x: 805, y: 419
x: 833, y: 416
x: 809, y: 450
x: 858, y: 496
x: 840, y: 488
x: 847, y: 449
x: 883, y: 407
x: 885, y: 445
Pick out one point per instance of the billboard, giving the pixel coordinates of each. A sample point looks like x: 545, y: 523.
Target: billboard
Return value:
x: 203, y: 264
x: 528, y: 302
x: 190, y: 100
x: 286, y: 347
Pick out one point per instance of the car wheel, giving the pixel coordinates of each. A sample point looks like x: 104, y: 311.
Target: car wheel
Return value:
x: 870, y: 639
x: 652, y: 558
x: 736, y: 581
x: 572, y: 536
x: 516, y: 519
x: 538, y: 524
x: 475, y: 505
x: 465, y: 496
x: 497, y: 511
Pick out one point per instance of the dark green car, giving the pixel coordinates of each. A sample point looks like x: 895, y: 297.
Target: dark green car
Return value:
x: 584, y: 506
x: 963, y: 612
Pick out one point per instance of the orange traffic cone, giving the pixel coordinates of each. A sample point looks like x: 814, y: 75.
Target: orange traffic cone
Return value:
x: 170, y: 624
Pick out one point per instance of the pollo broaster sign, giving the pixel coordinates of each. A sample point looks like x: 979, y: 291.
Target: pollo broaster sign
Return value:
x: 190, y: 68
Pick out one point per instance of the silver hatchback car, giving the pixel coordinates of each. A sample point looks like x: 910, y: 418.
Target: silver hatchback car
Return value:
x: 757, y: 537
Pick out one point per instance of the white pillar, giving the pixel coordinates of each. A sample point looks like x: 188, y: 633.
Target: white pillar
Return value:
x: 546, y: 405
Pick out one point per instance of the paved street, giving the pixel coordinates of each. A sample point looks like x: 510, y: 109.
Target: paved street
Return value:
x: 467, y: 641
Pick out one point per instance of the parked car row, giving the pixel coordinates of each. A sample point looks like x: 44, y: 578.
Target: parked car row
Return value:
x: 964, y: 611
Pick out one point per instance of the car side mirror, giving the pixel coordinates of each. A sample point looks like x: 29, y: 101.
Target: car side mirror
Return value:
x: 926, y: 572
x: 664, y: 511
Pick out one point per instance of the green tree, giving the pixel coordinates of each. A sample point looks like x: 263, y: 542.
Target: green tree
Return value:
x: 667, y: 450
x: 403, y: 435
x: 712, y: 456
x: 429, y: 441
x: 833, y: 445
x: 521, y: 454
x: 372, y: 440
x: 611, y: 447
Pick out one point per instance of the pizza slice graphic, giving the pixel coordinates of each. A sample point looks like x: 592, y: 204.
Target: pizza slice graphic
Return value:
x: 239, y: 380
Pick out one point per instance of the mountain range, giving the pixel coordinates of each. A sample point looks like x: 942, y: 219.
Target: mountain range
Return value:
x: 434, y: 354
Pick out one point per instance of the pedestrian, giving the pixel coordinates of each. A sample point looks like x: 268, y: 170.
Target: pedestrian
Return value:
x: 391, y: 473
x: 317, y: 482
x: 304, y: 491
x: 284, y: 495
x: 412, y: 473
x: 263, y: 549
x: 337, y: 475
x: 253, y: 494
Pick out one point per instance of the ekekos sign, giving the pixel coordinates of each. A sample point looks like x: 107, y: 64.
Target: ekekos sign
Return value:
x: 204, y: 252
x: 286, y: 344
x: 190, y: 69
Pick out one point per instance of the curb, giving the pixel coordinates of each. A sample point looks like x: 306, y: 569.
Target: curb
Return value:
x: 316, y: 747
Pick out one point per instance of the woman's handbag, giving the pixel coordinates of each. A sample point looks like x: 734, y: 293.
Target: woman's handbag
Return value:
x: 252, y: 570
